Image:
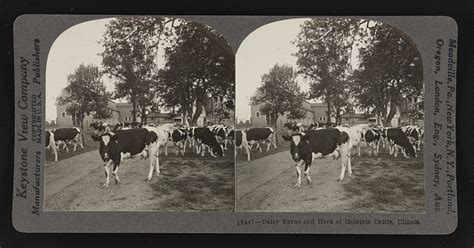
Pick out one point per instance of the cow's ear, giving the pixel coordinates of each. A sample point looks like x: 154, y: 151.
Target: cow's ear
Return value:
x: 95, y: 137
x: 286, y: 137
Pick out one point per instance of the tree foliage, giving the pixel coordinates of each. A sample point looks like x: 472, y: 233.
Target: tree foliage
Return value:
x: 324, y: 53
x: 130, y: 47
x: 387, y: 72
x: 390, y: 71
x: 198, y: 68
x: 280, y: 94
x: 85, y: 94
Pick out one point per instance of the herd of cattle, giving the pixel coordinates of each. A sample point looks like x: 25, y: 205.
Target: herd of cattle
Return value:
x: 125, y: 140
x: 338, y: 142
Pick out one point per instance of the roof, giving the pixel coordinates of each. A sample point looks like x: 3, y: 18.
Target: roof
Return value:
x: 355, y: 115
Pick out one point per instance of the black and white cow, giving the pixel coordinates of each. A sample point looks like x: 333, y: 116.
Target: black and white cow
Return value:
x: 294, y: 127
x: 206, y: 138
x: 68, y: 135
x: 315, y: 126
x: 261, y: 134
x: 179, y: 136
x: 357, y: 134
x: 413, y: 133
x: 309, y: 145
x: 101, y: 127
x: 373, y: 138
x: 164, y: 132
x: 240, y: 139
x: 396, y: 138
x: 51, y: 144
x: 221, y: 132
x: 127, y: 125
x: 115, y: 146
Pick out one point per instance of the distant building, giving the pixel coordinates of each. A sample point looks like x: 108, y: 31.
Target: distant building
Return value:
x: 63, y: 119
x: 122, y: 112
x: 259, y: 119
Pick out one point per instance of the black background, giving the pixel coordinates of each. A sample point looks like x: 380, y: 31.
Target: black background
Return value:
x: 461, y: 11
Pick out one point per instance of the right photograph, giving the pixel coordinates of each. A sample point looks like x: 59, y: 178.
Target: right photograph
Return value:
x: 329, y: 117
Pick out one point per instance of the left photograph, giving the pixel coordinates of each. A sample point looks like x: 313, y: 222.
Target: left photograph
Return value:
x: 140, y: 117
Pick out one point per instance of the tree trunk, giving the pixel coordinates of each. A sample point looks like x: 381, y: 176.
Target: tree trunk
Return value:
x: 275, y: 124
x: 391, y: 114
x: 144, y: 117
x: 329, y: 111
x: 197, y: 113
x: 82, y: 130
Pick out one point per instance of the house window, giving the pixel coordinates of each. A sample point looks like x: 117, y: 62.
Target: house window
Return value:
x: 63, y: 114
x: 257, y: 114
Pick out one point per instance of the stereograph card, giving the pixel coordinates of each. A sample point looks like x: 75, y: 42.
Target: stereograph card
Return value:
x: 235, y: 124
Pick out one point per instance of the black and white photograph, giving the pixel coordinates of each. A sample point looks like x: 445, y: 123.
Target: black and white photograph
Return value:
x: 329, y: 118
x: 139, y: 117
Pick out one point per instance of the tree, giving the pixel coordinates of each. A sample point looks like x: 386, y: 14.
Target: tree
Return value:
x: 324, y: 56
x: 130, y: 47
x: 279, y: 94
x: 85, y: 94
x: 390, y: 71
x: 199, y: 69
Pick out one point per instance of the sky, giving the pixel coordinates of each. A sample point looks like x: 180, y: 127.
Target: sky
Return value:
x: 260, y: 51
x: 78, y: 44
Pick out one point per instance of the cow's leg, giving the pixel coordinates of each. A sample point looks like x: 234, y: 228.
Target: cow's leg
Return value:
x: 298, y: 174
x: 177, y: 146
x: 154, y: 149
x: 166, y: 148
x: 184, y: 146
x: 55, y: 152
x: 269, y: 143
x: 349, y: 165
x: 203, y: 149
x: 107, y: 172
x: 114, y: 172
x: 395, y: 147
x: 345, y: 153
x: 369, y: 145
x: 358, y: 149
x: 306, y: 173
x: 247, y: 150
x: 258, y: 146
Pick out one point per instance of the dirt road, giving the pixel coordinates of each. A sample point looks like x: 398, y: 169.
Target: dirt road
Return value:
x: 382, y: 184
x: 189, y: 183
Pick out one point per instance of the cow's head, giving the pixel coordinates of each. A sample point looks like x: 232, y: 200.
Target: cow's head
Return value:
x: 410, y: 150
x: 298, y: 145
x: 108, y: 145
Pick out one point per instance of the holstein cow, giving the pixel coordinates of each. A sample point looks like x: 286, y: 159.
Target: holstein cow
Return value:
x: 258, y: 134
x: 115, y: 146
x: 51, y: 144
x: 357, y: 132
x: 294, y: 127
x: 373, y: 138
x: 68, y: 135
x: 413, y: 133
x: 241, y: 142
x: 220, y: 131
x: 309, y: 145
x: 205, y: 138
x: 315, y: 126
x: 163, y: 131
x: 101, y: 127
x: 397, y: 138
x: 179, y: 136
